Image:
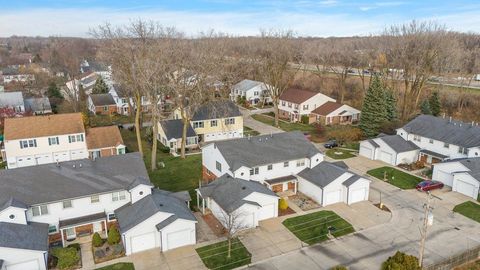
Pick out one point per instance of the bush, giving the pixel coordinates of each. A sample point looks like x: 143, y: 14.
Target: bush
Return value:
x: 344, y: 134
x: 283, y: 204
x: 67, y: 257
x: 76, y: 246
x: 164, y: 149
x: 339, y: 267
x: 305, y: 119
x: 113, y: 235
x: 401, y: 261
x: 97, y: 241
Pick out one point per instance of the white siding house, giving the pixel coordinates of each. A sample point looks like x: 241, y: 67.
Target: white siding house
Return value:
x: 295, y: 103
x: 462, y: 175
x: 254, y: 92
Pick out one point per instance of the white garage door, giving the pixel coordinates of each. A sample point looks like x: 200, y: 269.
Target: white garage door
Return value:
x: 358, y: 195
x: 26, y: 161
x: 386, y: 157
x: 77, y: 154
x: 44, y: 159
x: 465, y: 188
x: 142, y: 242
x: 332, y: 197
x: 61, y: 156
x: 178, y: 239
x: 267, y: 211
x: 366, y: 152
x: 30, y: 265
x: 444, y: 177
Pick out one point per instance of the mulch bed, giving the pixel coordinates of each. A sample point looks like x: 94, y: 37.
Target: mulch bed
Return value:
x: 214, y: 224
x: 285, y: 212
x: 384, y: 208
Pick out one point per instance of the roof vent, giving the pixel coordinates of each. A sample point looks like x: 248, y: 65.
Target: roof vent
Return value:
x: 73, y: 165
x: 80, y: 165
x: 161, y: 204
x: 243, y: 188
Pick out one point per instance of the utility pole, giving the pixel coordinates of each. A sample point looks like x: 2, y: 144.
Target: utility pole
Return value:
x: 427, y: 221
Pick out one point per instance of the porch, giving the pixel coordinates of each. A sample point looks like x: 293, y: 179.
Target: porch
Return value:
x: 286, y: 185
x: 430, y: 157
x: 79, y: 230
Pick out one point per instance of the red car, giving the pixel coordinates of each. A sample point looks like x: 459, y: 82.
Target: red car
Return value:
x: 429, y: 185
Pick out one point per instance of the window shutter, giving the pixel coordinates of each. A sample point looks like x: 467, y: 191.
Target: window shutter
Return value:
x: 49, y: 141
x: 21, y: 145
x: 56, y: 139
x: 69, y: 139
x: 35, y: 142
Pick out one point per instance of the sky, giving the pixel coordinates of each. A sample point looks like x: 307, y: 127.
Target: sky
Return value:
x: 321, y: 18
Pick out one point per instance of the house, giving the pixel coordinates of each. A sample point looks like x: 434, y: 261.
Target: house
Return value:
x: 14, y: 75
x: 392, y: 149
x: 170, y: 135
x: 285, y: 163
x: 38, y: 106
x: 86, y: 82
x: 295, y: 103
x: 104, y: 142
x: 333, y: 113
x: 246, y: 202
x: 253, y: 92
x: 436, y: 138
x: 463, y: 175
x: 36, y: 140
x: 102, y: 104
x: 216, y: 120
x: 58, y: 204
x: 12, y: 100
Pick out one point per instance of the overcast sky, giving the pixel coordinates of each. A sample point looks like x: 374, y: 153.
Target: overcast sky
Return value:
x: 239, y: 17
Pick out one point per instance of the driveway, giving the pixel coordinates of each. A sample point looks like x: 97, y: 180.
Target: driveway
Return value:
x: 256, y: 125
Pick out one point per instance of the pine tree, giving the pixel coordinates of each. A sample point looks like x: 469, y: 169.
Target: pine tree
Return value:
x: 374, y: 111
x: 425, y: 107
x: 391, y: 105
x: 53, y: 91
x: 434, y: 103
x: 100, y: 86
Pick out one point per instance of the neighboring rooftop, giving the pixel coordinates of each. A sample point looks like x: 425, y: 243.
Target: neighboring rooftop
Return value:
x: 72, y: 179
x: 217, y: 109
x: 324, y: 173
x: 266, y: 149
x: 173, y: 129
x: 230, y: 193
x: 297, y: 95
x: 327, y: 108
x: 398, y: 144
x: 245, y: 85
x: 445, y: 130
x: 104, y: 137
x: 33, y: 236
x: 11, y: 99
x: 159, y: 201
x: 43, y: 126
x: 41, y: 104
x: 102, y: 99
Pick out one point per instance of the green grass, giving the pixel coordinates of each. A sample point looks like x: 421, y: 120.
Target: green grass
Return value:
x: 395, y: 177
x: 284, y: 125
x: 250, y: 131
x: 469, y: 209
x: 352, y: 145
x: 344, y: 153
x: 313, y: 228
x: 215, y: 256
x: 118, y: 266
x: 3, y: 165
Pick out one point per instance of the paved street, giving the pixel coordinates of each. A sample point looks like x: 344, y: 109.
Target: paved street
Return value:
x: 256, y: 125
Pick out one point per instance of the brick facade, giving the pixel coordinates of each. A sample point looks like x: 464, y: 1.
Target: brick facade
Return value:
x: 207, y: 175
x: 101, y: 110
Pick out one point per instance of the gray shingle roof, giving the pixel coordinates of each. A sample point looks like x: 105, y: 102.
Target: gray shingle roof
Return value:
x: 351, y: 180
x: 102, y: 99
x: 323, y: 174
x: 52, y: 182
x: 217, y: 109
x: 33, y: 236
x: 437, y: 128
x: 398, y: 144
x: 41, y: 104
x: 11, y: 99
x: 266, y: 149
x: 473, y: 164
x: 12, y: 202
x: 229, y: 193
x: 173, y: 129
x: 246, y: 85
x: 166, y: 222
x: 372, y: 142
x: 131, y: 215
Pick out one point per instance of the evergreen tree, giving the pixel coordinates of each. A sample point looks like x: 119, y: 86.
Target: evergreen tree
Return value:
x: 374, y: 111
x: 100, y: 86
x: 434, y: 103
x: 425, y: 107
x: 53, y: 91
x: 391, y: 105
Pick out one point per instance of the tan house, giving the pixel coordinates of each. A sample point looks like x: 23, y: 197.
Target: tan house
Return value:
x: 295, y: 103
x: 333, y: 113
x: 102, y: 104
x: 104, y: 142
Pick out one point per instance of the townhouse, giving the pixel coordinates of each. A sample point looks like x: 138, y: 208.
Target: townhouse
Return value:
x: 463, y: 175
x: 253, y: 92
x: 56, y: 204
x: 297, y: 103
x: 104, y: 142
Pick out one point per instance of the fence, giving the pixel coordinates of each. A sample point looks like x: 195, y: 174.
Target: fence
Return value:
x: 456, y: 260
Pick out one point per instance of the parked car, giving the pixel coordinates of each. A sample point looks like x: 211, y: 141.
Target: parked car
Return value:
x: 429, y: 185
x: 331, y: 144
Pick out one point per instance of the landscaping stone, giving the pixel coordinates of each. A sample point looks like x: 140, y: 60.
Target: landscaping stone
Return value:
x: 100, y: 253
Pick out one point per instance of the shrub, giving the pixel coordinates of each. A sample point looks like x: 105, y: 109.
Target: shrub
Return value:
x: 76, y: 246
x: 305, y: 119
x: 113, y: 235
x: 401, y: 261
x: 164, y: 149
x: 97, y: 241
x: 283, y: 204
x: 67, y: 257
x: 344, y: 134
x: 339, y: 267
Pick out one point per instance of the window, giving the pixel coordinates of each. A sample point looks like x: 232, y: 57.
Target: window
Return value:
x: 121, y: 151
x: 430, y: 141
x: 191, y: 140
x: 283, y: 103
x: 255, y: 93
x: 289, y: 105
x: 28, y: 143
x: 213, y: 123
x: 254, y: 171
x: 296, y: 106
x: 118, y: 196
x: 75, y: 138
x: 67, y: 204
x: 105, y: 108
x: 52, y: 229
x: 218, y: 165
x: 270, y: 167
x: 229, y: 121
x: 53, y: 141
x: 417, y: 138
x: 305, y: 107
x: 462, y: 150
x: 80, y: 138
x: 39, y: 210
x: 198, y: 124
x: 95, y: 199
x: 446, y: 145
x: 285, y: 164
x: 124, y: 100
x: 300, y: 162
x: 111, y: 217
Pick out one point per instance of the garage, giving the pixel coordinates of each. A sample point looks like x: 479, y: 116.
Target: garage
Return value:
x: 61, y: 156
x: 142, y: 242
x: 26, y: 161
x: 77, y: 154
x: 366, y: 152
x: 178, y: 239
x: 358, y: 195
x: 444, y: 177
x: 28, y: 265
x: 386, y: 157
x: 466, y: 189
x: 266, y: 212
x: 43, y: 159
x: 332, y: 197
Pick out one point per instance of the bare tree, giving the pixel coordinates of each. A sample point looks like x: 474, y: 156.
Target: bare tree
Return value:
x: 233, y: 223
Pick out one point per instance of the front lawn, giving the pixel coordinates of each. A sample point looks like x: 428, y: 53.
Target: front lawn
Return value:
x: 249, y: 131
x: 118, y: 266
x: 337, y: 153
x: 215, y: 256
x: 286, y: 126
x: 469, y: 209
x: 352, y: 145
x: 395, y: 177
x: 313, y: 228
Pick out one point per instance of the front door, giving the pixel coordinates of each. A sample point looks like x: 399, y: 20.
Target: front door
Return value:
x: 291, y: 186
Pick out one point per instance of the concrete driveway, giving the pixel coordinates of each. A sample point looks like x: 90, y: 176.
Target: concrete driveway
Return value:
x: 183, y: 258
x: 256, y: 125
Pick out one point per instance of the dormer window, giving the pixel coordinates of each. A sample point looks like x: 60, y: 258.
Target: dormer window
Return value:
x: 300, y: 162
